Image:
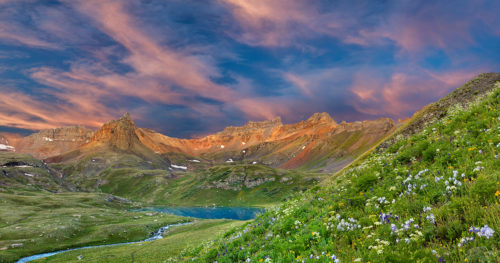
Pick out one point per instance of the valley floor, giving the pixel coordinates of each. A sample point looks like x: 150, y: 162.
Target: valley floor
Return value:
x: 36, y: 222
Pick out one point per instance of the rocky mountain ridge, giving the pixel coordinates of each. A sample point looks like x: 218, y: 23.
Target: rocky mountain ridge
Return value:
x: 268, y: 142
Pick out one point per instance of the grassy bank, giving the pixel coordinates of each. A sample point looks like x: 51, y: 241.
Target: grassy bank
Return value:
x: 36, y: 222
x: 176, y: 240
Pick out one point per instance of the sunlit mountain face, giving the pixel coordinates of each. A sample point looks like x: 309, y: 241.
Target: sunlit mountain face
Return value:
x: 191, y: 68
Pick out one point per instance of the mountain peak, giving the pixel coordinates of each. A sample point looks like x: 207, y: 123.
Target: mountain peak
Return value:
x: 118, y: 133
x: 126, y: 118
x: 320, y: 118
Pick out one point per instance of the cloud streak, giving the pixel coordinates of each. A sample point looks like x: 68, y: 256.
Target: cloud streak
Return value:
x: 86, y: 62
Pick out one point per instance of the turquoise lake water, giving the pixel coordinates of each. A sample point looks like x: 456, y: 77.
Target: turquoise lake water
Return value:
x: 235, y: 213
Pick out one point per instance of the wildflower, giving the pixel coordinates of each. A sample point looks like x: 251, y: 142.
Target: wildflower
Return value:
x: 393, y: 228
x: 427, y: 208
x: 478, y: 168
x: 486, y: 231
x: 473, y: 229
x: 497, y: 193
x: 431, y: 218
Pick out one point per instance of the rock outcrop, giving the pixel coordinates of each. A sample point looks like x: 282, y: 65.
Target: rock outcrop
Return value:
x: 118, y: 133
x: 51, y: 142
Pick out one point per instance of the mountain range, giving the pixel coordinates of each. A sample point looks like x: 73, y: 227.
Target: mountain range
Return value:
x: 318, y: 142
x: 328, y: 186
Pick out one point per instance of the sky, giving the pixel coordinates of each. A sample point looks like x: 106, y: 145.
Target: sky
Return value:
x: 189, y: 68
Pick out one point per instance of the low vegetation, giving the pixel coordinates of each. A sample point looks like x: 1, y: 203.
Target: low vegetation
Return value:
x: 222, y: 185
x: 430, y: 197
x: 36, y: 222
x: 176, y: 239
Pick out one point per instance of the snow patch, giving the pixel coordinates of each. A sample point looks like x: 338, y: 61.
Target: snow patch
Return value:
x: 195, y: 161
x: 303, y: 147
x: 243, y: 143
x: 48, y: 139
x: 244, y: 151
x: 6, y: 147
x: 179, y: 167
x: 30, y: 175
x: 222, y: 146
x: 23, y: 166
x: 254, y: 163
x: 229, y: 161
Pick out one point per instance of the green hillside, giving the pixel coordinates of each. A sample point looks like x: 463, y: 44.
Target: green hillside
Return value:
x: 429, y: 197
x: 221, y: 185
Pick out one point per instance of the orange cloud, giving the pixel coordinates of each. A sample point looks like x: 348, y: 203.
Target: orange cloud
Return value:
x: 160, y: 75
x: 263, y: 108
x: 22, y: 111
x: 148, y: 58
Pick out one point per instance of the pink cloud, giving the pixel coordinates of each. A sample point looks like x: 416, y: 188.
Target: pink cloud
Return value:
x: 160, y: 75
x: 271, y: 23
x: 149, y: 58
x: 299, y: 82
x: 19, y: 35
x: 403, y: 93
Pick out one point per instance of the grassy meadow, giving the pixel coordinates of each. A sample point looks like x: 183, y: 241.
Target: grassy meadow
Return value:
x: 36, y: 222
x: 430, y: 197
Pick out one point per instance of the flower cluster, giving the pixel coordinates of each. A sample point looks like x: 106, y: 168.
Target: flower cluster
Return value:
x: 386, y: 218
x: 484, y: 231
x: 348, y: 225
x: 379, y: 247
x: 453, y: 182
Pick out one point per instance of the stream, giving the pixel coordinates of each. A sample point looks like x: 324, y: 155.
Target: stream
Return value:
x: 235, y: 213
x: 157, y: 235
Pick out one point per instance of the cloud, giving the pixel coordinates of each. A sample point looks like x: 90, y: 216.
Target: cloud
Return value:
x: 300, y: 83
x: 269, y: 23
x: 89, y: 61
x: 411, y: 25
x: 403, y: 92
x: 22, y: 111
x: 21, y: 36
x: 90, y: 88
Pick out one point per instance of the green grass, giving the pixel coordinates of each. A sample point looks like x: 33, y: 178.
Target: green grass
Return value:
x: 415, y: 201
x: 204, y: 187
x: 176, y: 240
x: 23, y: 172
x: 45, y: 222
